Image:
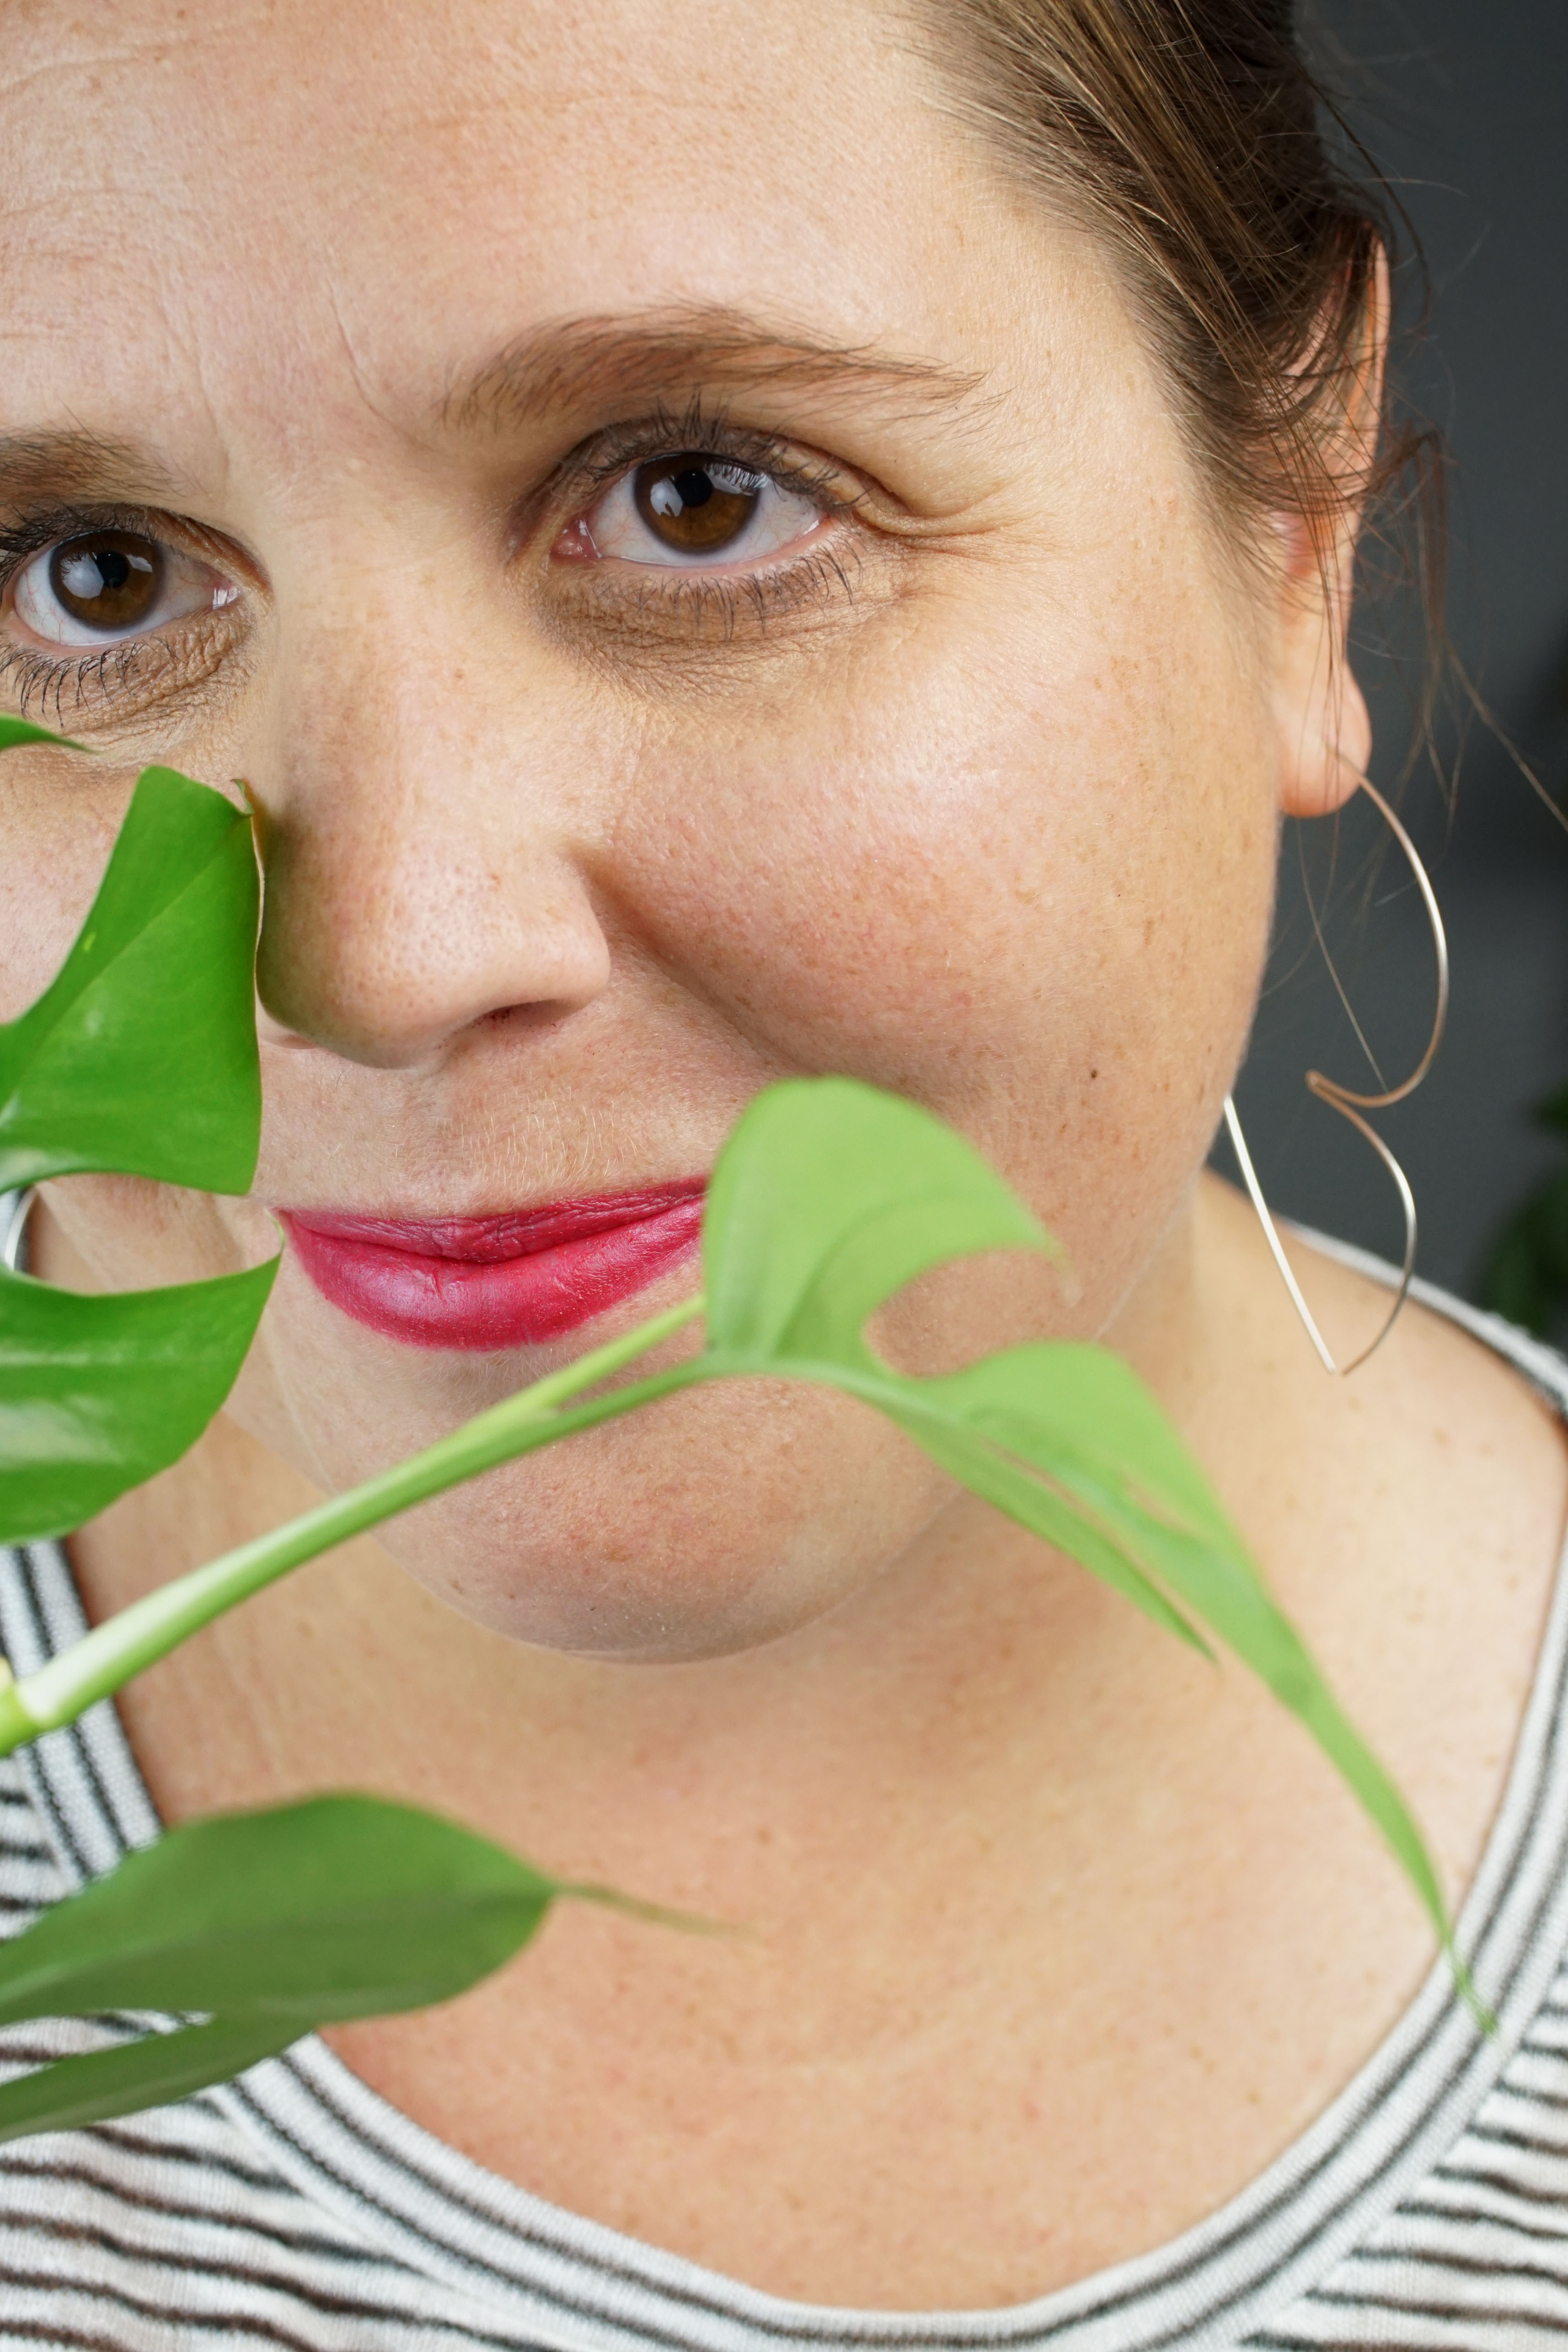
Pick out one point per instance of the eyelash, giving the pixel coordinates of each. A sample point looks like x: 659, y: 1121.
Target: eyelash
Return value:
x: 594, y: 465
x: 705, y: 604
x: 689, y: 597
x: 43, y: 677
x: 106, y: 674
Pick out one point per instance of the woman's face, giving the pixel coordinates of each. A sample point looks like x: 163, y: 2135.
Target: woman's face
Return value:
x: 703, y: 584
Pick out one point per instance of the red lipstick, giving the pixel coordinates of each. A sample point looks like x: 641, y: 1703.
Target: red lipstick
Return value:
x: 509, y: 1281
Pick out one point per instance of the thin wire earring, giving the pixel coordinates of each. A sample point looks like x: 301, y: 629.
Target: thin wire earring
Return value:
x: 1351, y: 1106
x: 20, y: 1208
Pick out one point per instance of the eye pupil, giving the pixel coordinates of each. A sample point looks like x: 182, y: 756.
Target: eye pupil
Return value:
x: 696, y: 505
x: 109, y: 581
x: 672, y: 494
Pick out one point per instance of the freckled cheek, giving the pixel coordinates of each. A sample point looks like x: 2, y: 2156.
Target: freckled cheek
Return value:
x: 838, y: 895
x: 926, y: 912
x: 1040, y: 910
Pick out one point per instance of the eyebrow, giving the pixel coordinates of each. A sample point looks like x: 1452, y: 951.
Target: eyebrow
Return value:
x: 571, y: 365
x: 76, y: 464
x: 592, y: 362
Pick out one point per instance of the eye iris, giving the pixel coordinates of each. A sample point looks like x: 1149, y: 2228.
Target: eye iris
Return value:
x: 695, y: 505
x: 111, y: 580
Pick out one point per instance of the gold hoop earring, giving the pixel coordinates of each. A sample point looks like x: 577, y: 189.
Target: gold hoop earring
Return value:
x: 1351, y: 1106
x: 20, y: 1209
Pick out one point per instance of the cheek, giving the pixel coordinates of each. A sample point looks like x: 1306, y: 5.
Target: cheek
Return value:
x: 123, y: 1233
x: 55, y: 841
x: 1031, y: 891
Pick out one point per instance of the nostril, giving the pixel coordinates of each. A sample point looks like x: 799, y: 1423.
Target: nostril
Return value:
x: 525, y: 1016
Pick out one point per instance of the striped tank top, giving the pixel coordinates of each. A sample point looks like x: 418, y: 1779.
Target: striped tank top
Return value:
x: 1427, y: 2208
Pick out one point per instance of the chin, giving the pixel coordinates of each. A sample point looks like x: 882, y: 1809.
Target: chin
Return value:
x: 655, y: 1609
x: 639, y: 1544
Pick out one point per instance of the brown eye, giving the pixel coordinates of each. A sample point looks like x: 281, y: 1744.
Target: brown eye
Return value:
x: 108, y: 579
x: 695, y: 505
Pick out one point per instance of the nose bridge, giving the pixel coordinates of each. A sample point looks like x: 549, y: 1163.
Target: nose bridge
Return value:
x: 422, y: 869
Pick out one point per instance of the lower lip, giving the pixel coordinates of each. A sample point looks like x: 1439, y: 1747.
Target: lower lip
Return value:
x: 488, y: 1283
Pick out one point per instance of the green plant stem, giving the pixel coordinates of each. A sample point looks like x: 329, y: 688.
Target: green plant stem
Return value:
x: 136, y: 1637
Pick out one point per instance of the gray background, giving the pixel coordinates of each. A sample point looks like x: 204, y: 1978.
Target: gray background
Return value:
x: 1464, y: 103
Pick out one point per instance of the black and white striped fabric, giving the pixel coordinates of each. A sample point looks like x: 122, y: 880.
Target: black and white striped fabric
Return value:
x: 1427, y: 2208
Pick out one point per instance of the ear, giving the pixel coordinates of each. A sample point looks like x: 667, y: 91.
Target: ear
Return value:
x: 1324, y: 731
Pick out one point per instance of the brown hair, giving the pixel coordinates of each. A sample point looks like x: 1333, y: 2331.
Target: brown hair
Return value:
x: 1190, y: 134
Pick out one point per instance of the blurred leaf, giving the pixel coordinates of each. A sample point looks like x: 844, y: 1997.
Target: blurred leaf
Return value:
x: 828, y: 1197
x: 305, y: 1914
x: 15, y: 732
x: 1526, y: 1278
x: 272, y: 1922
x: 1551, y: 1225
x: 1553, y: 1111
x: 943, y: 1429
x: 102, y: 2083
x: 97, y: 1394
x: 1083, y: 1419
x: 141, y: 1056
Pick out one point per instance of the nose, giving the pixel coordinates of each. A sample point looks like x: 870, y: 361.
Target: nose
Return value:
x: 423, y: 854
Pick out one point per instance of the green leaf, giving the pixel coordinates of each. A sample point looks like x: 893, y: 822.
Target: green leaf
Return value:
x: 976, y: 1463
x: 305, y: 1914
x: 97, y: 1394
x: 102, y: 2083
x: 15, y: 732
x: 828, y: 1197
x: 1083, y: 1418
x: 1526, y: 1278
x: 279, y: 1921
x: 1084, y: 1502
x: 1082, y: 1414
x: 141, y: 1058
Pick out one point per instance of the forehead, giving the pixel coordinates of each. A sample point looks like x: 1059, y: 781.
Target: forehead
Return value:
x: 216, y: 209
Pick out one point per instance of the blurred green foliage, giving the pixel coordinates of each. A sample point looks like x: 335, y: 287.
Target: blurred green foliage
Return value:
x: 1527, y: 1274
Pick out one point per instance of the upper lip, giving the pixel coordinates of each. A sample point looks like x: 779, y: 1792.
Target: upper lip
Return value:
x: 503, y: 1233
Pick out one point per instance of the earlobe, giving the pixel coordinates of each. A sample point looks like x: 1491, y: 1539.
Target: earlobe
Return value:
x: 1325, y: 740
x: 1324, y: 731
